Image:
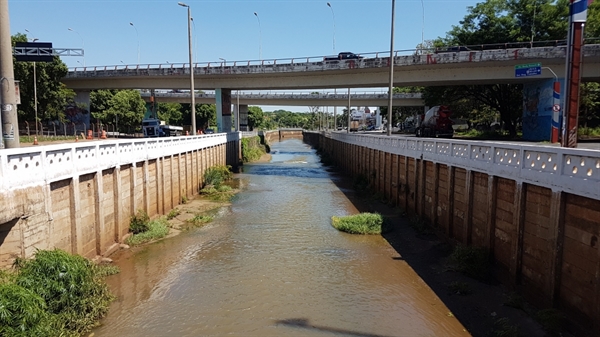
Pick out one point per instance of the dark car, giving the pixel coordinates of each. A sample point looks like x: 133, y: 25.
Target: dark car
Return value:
x: 209, y: 131
x: 343, y: 56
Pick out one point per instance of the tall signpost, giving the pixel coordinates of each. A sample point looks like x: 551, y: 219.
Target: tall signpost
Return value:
x: 8, y: 100
x: 577, y: 18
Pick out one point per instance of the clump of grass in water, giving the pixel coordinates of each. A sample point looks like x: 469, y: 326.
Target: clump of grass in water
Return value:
x: 199, y: 220
x: 157, y: 229
x: 363, y: 223
x: 71, y: 289
x: 216, y: 175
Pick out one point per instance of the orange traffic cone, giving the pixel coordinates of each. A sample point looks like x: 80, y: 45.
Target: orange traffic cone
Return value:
x: 187, y: 133
x: 76, y: 138
x: 90, y: 134
x: 35, y: 142
x: 103, y: 135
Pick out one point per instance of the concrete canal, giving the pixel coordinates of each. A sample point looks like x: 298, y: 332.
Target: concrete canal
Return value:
x: 271, y: 264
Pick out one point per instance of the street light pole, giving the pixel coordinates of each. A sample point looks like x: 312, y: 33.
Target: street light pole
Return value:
x: 34, y: 90
x: 333, y: 14
x: 138, y: 40
x: 391, y: 89
x: 224, y: 61
x: 82, y: 44
x: 259, y: 37
x: 192, y: 94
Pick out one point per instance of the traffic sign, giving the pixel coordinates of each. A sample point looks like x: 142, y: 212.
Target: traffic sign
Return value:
x: 556, y: 107
x: 530, y: 69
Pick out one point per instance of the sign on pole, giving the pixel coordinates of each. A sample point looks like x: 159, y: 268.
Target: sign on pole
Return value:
x: 530, y: 69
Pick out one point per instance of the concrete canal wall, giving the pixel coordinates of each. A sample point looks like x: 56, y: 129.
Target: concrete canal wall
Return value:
x: 536, y: 209
x: 79, y: 197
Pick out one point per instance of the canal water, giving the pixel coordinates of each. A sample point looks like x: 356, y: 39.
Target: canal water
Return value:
x: 271, y: 264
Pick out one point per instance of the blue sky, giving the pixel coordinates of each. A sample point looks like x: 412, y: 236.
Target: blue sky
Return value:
x: 229, y: 29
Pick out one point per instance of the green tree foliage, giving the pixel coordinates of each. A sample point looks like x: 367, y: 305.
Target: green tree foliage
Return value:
x: 170, y: 113
x: 257, y: 119
x: 123, y: 107
x: 206, y: 115
x: 52, y: 95
x: 497, y: 22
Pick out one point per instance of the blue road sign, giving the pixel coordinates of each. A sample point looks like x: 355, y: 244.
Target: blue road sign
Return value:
x: 531, y: 69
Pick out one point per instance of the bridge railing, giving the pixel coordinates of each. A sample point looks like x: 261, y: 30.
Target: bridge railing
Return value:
x: 33, y: 166
x: 571, y: 170
x: 320, y: 59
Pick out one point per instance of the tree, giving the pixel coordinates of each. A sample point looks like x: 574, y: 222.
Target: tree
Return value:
x: 495, y: 22
x: 52, y: 96
x: 124, y: 108
x: 170, y: 113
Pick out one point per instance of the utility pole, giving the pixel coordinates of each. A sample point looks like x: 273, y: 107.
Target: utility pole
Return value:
x: 8, y: 100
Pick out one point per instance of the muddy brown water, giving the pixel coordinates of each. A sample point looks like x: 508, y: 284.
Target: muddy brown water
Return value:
x: 271, y: 264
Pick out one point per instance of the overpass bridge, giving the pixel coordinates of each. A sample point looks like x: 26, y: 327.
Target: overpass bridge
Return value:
x: 294, y: 99
x: 443, y: 68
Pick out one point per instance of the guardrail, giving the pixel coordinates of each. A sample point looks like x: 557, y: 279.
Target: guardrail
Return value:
x: 571, y: 170
x: 310, y: 59
x: 32, y: 166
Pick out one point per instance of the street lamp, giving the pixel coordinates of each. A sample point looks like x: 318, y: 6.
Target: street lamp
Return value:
x: 333, y: 14
x: 34, y: 91
x: 259, y: 37
x: 82, y: 44
x: 224, y: 61
x: 391, y: 89
x: 193, y: 107
x: 138, y: 40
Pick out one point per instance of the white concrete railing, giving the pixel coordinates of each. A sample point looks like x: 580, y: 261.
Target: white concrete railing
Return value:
x: 34, y: 166
x: 571, y: 170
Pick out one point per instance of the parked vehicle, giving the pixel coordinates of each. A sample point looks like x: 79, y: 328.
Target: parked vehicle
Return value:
x: 343, y: 56
x: 435, y: 123
x: 153, y: 127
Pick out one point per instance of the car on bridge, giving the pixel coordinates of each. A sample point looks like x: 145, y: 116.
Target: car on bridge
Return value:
x: 343, y: 56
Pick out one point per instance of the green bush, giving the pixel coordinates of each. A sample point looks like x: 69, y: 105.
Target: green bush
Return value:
x: 200, y: 219
x: 363, y: 223
x: 139, y: 222
x: 173, y: 213
x: 471, y: 261
x: 22, y: 312
x: 75, y: 294
x: 252, y: 149
x: 216, y: 175
x: 157, y: 229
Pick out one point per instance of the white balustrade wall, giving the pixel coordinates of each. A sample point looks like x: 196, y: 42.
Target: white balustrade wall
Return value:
x: 34, y: 166
x: 574, y: 171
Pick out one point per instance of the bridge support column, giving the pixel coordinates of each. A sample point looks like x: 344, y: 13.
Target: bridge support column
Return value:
x: 223, y: 97
x: 82, y: 117
x: 243, y: 116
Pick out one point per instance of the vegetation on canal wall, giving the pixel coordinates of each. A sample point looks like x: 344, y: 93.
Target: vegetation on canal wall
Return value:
x: 363, y: 223
x: 54, y: 294
x: 253, y: 148
x: 214, y: 178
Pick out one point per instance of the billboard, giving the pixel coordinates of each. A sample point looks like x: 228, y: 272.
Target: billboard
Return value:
x: 33, y: 52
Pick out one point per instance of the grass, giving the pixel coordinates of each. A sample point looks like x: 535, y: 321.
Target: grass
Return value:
x: 460, y: 288
x: 363, y: 223
x: 515, y: 301
x: 200, y: 220
x: 419, y: 225
x: 173, y: 213
x: 588, y: 132
x: 222, y: 193
x: 30, y: 139
x: 503, y: 328
x: 157, y: 229
x: 552, y: 321
x: 217, y: 175
x: 54, y: 294
x: 252, y: 149
x: 139, y: 222
x: 471, y: 261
